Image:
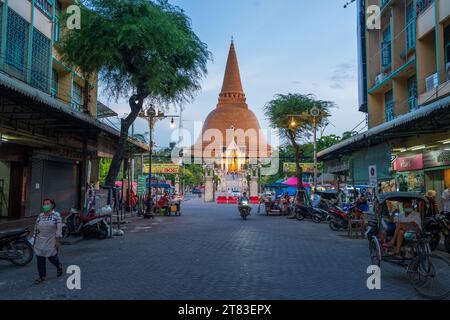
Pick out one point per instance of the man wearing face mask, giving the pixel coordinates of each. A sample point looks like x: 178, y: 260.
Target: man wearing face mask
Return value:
x: 410, y: 220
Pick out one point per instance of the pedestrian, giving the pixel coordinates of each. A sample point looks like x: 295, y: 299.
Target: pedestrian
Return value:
x: 446, y: 198
x: 47, y: 242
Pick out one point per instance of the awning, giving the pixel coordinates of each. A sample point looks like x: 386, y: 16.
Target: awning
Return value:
x: 50, y: 113
x: 433, y: 118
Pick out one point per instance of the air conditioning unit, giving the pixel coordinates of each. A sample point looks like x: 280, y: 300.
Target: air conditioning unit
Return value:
x: 379, y: 78
x: 447, y: 70
x: 432, y: 82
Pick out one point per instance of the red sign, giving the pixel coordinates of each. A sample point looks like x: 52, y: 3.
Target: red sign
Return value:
x: 409, y: 163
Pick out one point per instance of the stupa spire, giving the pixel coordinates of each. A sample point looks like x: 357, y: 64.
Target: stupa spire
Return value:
x: 232, y: 91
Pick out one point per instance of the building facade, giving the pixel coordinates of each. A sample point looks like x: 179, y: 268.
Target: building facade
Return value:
x: 51, y: 138
x: 405, y: 66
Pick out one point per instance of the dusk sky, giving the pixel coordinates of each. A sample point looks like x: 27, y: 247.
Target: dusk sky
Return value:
x: 283, y: 46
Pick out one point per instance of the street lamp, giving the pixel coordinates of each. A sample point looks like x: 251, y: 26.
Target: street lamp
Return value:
x: 315, y: 112
x: 152, y: 117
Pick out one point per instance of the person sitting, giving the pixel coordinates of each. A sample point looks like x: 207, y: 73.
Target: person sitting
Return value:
x: 407, y: 222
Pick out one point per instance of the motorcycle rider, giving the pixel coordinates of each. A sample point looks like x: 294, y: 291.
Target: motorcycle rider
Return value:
x: 243, y: 198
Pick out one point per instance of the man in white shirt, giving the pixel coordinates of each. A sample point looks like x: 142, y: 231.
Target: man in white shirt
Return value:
x: 409, y: 220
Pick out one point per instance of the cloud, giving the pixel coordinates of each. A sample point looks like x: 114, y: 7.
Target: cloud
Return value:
x: 341, y: 74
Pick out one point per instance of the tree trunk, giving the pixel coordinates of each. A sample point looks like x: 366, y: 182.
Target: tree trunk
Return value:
x: 298, y: 157
x: 136, y: 106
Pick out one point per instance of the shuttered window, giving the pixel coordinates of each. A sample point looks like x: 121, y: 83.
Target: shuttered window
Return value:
x: 41, y: 61
x: 16, y: 42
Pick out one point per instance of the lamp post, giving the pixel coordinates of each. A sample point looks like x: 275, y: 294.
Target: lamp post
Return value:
x: 152, y: 117
x: 315, y: 112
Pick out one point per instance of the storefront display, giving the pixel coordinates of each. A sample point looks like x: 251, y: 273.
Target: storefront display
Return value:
x: 413, y: 181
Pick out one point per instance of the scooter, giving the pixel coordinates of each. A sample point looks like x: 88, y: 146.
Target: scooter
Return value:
x: 340, y: 218
x: 244, y: 209
x: 436, y: 226
x: 15, y: 247
x: 90, y: 226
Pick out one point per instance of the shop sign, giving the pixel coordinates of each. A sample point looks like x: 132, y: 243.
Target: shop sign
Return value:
x: 437, y: 158
x: 289, y: 167
x: 158, y: 168
x: 410, y: 163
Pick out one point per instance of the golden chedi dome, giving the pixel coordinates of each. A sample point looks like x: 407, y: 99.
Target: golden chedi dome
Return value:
x: 232, y: 120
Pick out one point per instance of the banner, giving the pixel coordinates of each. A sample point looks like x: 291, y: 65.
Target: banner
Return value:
x: 159, y: 168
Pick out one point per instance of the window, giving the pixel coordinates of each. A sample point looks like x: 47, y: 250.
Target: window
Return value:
x: 410, y: 27
x: 44, y: 5
x: 389, y: 106
x: 40, y: 61
x: 412, y: 93
x: 386, y: 48
x: 1, y: 24
x: 55, y: 79
x: 16, y: 42
x: 77, y: 97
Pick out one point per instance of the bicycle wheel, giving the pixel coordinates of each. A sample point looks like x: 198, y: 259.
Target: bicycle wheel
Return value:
x: 430, y: 276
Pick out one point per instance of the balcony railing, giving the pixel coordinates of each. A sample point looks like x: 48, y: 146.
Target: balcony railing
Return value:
x: 45, y: 5
x: 412, y: 104
x: 77, y: 106
x: 390, y: 111
x: 423, y: 5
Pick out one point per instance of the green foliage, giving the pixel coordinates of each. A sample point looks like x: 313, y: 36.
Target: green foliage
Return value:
x: 144, y: 50
x: 192, y: 175
x: 283, y: 109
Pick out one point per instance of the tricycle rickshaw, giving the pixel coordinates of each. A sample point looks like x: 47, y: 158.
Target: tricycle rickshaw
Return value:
x: 429, y: 273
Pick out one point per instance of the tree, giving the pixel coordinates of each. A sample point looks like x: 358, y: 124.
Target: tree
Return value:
x: 144, y: 51
x: 290, y: 115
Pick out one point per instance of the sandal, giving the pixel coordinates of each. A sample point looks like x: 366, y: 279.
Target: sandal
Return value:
x: 39, y: 280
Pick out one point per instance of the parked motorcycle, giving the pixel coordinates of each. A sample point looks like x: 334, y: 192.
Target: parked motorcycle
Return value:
x: 90, y: 226
x: 340, y: 218
x: 437, y: 226
x: 244, y: 209
x: 15, y: 247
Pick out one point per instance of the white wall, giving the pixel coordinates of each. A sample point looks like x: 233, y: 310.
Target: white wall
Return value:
x: 22, y: 7
x: 43, y: 23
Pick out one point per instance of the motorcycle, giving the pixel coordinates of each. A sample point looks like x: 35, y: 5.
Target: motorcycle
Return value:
x: 244, y: 209
x: 436, y: 226
x: 317, y: 215
x: 90, y: 226
x: 340, y: 218
x: 15, y: 247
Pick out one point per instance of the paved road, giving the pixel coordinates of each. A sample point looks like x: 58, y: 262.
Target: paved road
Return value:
x: 209, y: 253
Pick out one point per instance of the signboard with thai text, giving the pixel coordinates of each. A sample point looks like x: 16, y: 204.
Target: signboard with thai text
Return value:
x: 409, y: 163
x: 163, y: 168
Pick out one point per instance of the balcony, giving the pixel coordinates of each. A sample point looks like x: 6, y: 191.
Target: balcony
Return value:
x: 423, y: 5
x: 444, y: 10
x: 426, y: 17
